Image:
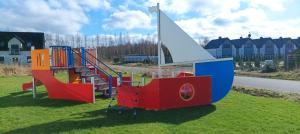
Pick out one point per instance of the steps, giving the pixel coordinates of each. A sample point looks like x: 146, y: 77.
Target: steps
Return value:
x: 86, y: 74
x: 91, y: 67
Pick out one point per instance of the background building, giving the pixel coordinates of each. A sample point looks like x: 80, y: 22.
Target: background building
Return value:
x: 139, y: 58
x: 15, y: 46
x: 250, y: 49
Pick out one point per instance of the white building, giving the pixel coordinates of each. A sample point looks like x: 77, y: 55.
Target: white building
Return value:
x: 15, y: 46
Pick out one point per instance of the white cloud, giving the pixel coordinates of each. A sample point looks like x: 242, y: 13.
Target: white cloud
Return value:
x: 128, y: 20
x: 231, y: 18
x: 274, y: 5
x: 205, y: 7
x: 58, y: 16
x: 211, y: 7
x: 212, y: 18
x: 239, y: 24
x: 95, y: 4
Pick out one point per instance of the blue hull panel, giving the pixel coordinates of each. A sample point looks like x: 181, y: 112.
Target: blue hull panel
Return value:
x: 222, y: 76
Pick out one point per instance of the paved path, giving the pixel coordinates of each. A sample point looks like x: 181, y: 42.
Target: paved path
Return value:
x: 254, y: 82
x: 271, y: 84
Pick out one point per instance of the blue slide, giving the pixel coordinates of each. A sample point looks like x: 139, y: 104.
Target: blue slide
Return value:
x: 222, y: 73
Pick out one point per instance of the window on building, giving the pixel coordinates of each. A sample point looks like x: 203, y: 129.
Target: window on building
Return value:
x: 28, y: 45
x: 28, y: 59
x: 289, y: 48
x: 15, y: 49
x: 2, y: 44
x: 15, y: 60
x: 249, y: 50
x: 1, y: 59
x: 227, y: 50
x: 269, y: 51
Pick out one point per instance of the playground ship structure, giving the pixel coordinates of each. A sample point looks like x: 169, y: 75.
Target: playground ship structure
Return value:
x: 209, y: 82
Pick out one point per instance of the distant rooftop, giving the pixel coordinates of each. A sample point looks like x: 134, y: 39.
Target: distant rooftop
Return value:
x: 215, y: 43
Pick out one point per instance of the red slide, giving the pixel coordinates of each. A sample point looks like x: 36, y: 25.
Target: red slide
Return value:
x: 59, y: 90
x: 27, y: 86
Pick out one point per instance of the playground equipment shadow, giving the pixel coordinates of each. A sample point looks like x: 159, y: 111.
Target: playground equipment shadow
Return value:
x: 100, y: 118
x: 69, y: 116
x: 21, y: 99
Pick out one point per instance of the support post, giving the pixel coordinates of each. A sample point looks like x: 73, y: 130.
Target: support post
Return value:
x: 83, y: 80
x: 33, y: 88
x: 119, y: 79
x: 51, y: 57
x: 83, y: 56
x: 153, y: 75
x: 173, y: 74
x: 33, y: 82
x: 93, y: 83
x: 194, y: 68
x: 132, y: 78
x: 143, y: 81
x: 109, y: 86
x: 69, y: 57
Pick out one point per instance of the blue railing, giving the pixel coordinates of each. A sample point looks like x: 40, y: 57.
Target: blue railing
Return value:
x: 68, y: 60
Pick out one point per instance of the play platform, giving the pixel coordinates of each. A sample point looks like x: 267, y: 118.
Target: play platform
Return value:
x: 86, y: 74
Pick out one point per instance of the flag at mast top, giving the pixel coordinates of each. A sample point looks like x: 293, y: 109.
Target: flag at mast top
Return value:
x: 154, y: 8
x: 183, y: 48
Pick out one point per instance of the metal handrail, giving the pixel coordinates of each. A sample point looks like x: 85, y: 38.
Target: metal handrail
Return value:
x: 95, y: 66
x: 91, y: 63
x: 117, y: 73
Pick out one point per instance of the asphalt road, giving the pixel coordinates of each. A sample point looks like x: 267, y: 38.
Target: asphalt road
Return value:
x: 271, y: 84
x: 253, y: 82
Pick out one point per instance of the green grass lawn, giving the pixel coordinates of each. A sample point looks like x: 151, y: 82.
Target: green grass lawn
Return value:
x: 237, y: 113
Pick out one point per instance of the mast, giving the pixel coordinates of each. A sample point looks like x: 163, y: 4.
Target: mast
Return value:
x: 157, y: 10
x: 159, y: 40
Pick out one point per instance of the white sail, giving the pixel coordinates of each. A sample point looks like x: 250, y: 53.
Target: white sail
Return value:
x: 162, y: 57
x: 181, y: 46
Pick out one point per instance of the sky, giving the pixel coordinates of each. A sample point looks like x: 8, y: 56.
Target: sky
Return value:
x: 199, y: 18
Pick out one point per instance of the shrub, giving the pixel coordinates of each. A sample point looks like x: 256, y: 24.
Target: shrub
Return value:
x: 269, y: 67
x: 257, y: 63
x: 14, y: 70
x: 116, y: 60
